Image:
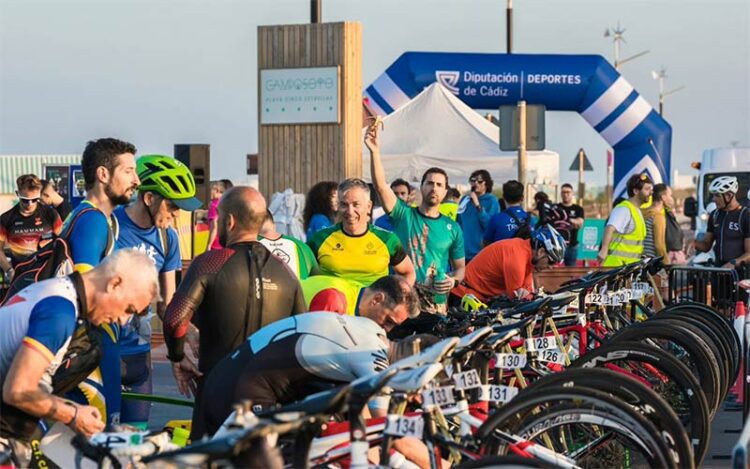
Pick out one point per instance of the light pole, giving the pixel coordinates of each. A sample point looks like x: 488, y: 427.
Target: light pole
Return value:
x: 617, y: 37
x: 661, y: 75
x: 509, y: 26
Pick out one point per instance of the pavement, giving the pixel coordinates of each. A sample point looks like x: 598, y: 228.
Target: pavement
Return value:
x: 725, y: 430
x: 164, y: 385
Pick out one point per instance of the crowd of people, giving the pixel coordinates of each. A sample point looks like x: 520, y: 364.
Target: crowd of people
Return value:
x: 252, y: 316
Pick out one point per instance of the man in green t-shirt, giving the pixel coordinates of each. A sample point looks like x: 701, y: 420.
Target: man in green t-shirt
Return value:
x: 296, y: 254
x: 433, y: 241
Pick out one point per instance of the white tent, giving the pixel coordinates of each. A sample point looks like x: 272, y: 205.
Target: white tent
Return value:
x: 438, y: 129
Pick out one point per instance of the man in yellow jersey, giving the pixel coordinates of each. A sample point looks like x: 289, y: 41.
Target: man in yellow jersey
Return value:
x: 389, y: 294
x: 355, y: 249
x: 626, y: 230
x: 111, y: 179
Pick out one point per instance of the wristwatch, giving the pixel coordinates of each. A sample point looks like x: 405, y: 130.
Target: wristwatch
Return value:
x: 733, y: 262
x: 455, y: 282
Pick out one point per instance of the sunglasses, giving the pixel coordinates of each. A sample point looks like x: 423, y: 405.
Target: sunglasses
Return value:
x: 478, y: 181
x: 28, y: 200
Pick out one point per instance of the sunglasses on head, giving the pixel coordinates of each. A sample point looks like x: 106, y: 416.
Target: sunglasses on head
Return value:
x: 27, y: 200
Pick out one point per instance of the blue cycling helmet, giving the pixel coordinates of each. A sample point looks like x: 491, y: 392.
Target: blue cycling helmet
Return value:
x: 551, y: 241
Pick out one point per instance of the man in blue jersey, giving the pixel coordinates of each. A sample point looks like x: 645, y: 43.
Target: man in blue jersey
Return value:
x: 510, y: 222
x: 110, y: 175
x: 166, y: 187
x: 38, y: 324
x: 475, y: 211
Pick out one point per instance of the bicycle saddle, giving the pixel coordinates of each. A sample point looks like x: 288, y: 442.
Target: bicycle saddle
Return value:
x: 325, y: 402
x: 589, y: 282
x: 430, y: 355
x: 504, y: 333
x: 369, y: 385
x: 467, y: 342
x: 562, y: 299
x: 528, y: 308
x: 414, y: 380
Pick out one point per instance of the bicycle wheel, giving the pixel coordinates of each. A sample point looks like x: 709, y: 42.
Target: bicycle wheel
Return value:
x: 666, y: 376
x: 636, y: 394
x: 673, y: 337
x: 724, y: 332
x: 710, y: 338
x: 709, y: 314
x: 588, y: 426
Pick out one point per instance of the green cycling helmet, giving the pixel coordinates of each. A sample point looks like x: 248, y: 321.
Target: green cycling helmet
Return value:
x: 169, y: 178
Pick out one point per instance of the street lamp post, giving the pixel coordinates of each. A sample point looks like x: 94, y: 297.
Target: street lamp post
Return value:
x: 509, y: 27
x: 661, y: 75
x: 617, y: 37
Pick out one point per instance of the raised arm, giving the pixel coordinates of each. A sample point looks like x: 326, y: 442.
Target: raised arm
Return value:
x: 372, y: 140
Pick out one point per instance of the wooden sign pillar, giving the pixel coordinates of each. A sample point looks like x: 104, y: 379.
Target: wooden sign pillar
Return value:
x: 297, y: 156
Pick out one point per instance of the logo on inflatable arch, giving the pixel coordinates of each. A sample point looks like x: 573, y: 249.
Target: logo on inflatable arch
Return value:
x: 449, y: 79
x: 645, y: 166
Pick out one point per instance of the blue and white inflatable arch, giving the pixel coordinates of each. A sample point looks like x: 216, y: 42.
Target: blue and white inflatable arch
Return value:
x: 587, y: 84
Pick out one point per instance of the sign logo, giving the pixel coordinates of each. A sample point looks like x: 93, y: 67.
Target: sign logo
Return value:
x: 449, y: 79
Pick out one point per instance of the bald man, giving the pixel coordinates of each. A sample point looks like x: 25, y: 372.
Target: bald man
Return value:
x: 229, y: 293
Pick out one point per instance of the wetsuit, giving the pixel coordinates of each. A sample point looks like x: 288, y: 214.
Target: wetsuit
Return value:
x: 290, y: 359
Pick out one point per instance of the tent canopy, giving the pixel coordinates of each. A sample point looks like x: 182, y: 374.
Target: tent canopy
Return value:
x: 438, y: 129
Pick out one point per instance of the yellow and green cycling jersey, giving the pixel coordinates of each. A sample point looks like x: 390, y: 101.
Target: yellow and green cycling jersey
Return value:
x: 334, y: 294
x: 362, y: 258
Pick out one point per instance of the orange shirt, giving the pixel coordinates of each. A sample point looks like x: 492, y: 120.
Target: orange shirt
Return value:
x: 499, y: 269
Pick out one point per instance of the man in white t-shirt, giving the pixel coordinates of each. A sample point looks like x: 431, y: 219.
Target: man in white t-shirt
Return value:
x: 626, y: 230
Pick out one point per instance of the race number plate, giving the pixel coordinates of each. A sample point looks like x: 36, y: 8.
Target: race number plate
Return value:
x: 510, y: 361
x: 552, y: 356
x: 467, y: 380
x: 438, y: 396
x: 495, y: 393
x: 397, y: 425
x: 540, y: 343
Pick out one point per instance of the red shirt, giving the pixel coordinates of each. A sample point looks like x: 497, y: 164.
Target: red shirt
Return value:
x: 499, y: 269
x: 24, y: 234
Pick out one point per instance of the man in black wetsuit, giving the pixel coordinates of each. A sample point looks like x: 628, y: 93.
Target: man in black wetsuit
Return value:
x: 229, y: 293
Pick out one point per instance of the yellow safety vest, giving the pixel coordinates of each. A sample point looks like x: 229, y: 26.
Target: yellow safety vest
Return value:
x: 627, y: 248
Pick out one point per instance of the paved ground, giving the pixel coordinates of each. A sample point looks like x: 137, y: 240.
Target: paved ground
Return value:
x: 164, y: 385
x: 725, y: 430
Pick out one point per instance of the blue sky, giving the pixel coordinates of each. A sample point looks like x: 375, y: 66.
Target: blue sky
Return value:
x: 159, y: 72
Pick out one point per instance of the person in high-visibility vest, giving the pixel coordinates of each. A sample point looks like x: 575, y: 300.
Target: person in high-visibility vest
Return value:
x: 626, y: 230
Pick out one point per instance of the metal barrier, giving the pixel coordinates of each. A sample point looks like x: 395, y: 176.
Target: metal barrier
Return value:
x: 712, y: 286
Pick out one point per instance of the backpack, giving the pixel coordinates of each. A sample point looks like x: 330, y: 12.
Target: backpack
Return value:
x: 524, y: 227
x: 52, y: 260
x: 84, y: 353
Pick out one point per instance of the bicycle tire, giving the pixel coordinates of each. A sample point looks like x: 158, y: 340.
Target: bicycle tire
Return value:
x: 716, y: 344
x: 696, y: 413
x: 535, y: 412
x: 634, y: 393
x: 723, y: 330
x: 701, y: 360
x: 709, y: 314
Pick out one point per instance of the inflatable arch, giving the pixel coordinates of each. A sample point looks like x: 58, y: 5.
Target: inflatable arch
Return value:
x: 587, y: 84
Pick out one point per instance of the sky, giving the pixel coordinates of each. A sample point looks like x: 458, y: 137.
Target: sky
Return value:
x: 160, y: 72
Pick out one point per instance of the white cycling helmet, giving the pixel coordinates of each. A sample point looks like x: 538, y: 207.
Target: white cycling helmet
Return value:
x: 724, y: 184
